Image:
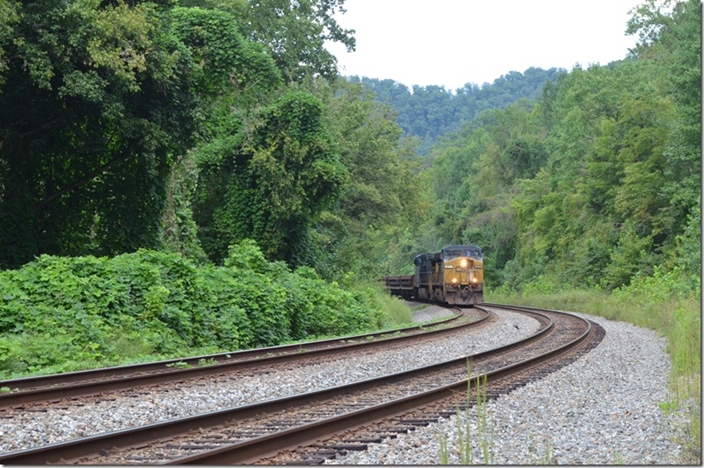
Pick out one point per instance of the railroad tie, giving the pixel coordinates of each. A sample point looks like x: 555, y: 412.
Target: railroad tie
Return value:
x: 418, y: 422
x: 339, y: 447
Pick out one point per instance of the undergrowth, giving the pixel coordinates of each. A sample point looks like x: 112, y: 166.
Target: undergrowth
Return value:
x: 61, y: 314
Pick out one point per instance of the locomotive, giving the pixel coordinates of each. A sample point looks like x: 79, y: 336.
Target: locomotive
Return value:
x: 455, y: 276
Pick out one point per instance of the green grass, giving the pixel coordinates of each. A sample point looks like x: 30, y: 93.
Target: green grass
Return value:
x: 397, y: 309
x: 464, y: 445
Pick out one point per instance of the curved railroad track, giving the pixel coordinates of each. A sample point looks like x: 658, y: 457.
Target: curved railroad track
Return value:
x: 72, y: 385
x: 305, y: 428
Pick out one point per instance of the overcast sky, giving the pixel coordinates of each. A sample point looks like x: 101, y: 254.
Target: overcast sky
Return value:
x: 453, y: 42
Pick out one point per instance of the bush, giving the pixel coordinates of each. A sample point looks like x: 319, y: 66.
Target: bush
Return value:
x: 61, y: 313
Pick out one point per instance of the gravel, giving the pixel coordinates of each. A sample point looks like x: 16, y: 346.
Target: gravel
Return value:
x: 602, y: 409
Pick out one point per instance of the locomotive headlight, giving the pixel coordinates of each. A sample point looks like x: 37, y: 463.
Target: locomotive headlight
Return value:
x: 474, y: 280
x: 463, y: 263
x: 454, y: 280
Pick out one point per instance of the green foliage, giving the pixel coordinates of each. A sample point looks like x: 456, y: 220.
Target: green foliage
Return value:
x: 540, y: 285
x: 629, y: 257
x: 51, y: 70
x: 223, y: 56
x: 474, y: 174
x: 596, y: 183
x: 97, y: 100
x: 661, y: 286
x: 382, y: 195
x: 9, y: 16
x: 430, y: 112
x: 397, y: 309
x: 688, y: 253
x: 270, y: 184
x: 61, y: 313
x: 295, y: 34
x: 179, y: 227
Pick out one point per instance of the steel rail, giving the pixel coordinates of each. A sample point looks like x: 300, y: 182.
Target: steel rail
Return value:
x: 248, y: 359
x: 253, y: 450
x: 117, y: 371
x: 140, y: 436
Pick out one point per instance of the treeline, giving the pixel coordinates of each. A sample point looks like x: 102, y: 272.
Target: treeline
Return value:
x: 596, y: 184
x: 190, y: 126
x: 429, y: 112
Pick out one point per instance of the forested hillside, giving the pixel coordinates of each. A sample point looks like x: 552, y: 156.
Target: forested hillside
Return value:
x: 191, y: 126
x: 596, y: 184
x: 429, y: 112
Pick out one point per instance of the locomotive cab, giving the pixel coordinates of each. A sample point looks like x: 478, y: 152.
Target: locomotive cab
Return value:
x: 463, y: 274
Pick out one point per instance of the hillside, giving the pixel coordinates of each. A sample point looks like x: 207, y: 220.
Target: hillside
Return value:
x: 432, y: 111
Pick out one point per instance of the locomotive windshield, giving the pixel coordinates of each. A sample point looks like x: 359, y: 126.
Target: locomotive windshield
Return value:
x: 455, y: 251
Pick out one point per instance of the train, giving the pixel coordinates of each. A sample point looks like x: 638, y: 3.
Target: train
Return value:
x: 453, y: 276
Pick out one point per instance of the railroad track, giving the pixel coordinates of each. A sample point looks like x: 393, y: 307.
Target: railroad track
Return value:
x: 301, y: 429
x: 73, y: 385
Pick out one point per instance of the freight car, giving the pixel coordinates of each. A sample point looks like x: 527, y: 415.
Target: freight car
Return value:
x: 455, y: 275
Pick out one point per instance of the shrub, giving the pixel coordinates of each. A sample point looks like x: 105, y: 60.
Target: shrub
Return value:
x: 62, y: 313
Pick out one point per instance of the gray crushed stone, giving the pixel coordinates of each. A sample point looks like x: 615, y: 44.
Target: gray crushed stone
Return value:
x: 604, y: 409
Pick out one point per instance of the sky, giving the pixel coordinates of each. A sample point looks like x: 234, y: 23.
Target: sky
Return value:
x: 452, y: 42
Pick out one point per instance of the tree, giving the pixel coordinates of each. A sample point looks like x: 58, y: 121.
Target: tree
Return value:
x: 672, y: 40
x: 84, y: 139
x: 382, y: 195
x: 269, y: 184
x: 97, y: 101
x: 295, y: 34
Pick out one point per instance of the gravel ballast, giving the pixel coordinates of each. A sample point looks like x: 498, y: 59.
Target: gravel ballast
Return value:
x: 602, y: 409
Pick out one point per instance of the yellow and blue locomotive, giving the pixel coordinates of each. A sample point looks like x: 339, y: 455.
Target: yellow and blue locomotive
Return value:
x: 455, y: 275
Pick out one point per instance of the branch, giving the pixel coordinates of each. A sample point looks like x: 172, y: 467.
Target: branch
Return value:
x: 79, y: 182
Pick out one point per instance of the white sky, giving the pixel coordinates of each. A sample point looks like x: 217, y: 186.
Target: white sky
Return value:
x: 453, y: 42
